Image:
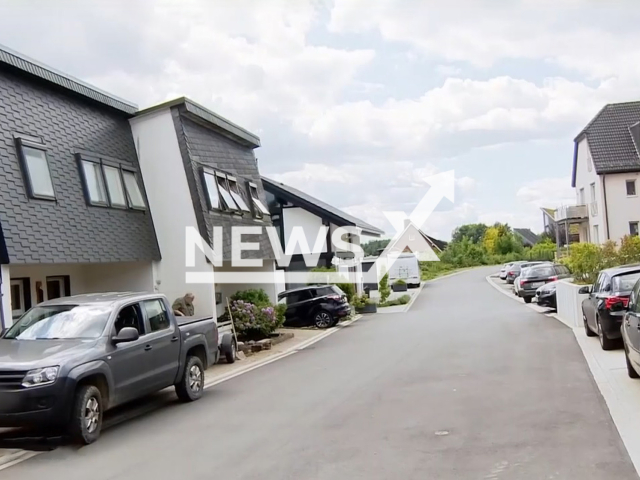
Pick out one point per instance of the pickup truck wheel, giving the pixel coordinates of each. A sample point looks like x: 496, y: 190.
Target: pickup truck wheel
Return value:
x: 191, y: 386
x: 86, y: 419
x: 230, y: 354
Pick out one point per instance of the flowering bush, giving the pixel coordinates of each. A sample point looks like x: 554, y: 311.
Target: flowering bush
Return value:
x: 253, y: 322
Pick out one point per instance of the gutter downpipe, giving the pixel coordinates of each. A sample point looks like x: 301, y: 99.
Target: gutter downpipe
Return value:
x: 2, y: 322
x: 606, y: 209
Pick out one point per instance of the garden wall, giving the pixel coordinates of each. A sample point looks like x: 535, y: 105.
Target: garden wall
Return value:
x: 570, y: 303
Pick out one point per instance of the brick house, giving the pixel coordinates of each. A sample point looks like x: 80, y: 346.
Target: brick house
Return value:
x: 73, y: 207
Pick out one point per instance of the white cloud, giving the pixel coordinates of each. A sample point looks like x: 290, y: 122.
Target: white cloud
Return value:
x: 547, y: 192
x: 577, y: 34
x: 447, y: 70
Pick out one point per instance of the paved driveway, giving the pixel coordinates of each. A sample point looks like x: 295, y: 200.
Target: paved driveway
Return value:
x: 467, y: 385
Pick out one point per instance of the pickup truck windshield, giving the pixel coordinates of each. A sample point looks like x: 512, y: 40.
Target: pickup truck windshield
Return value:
x: 60, y: 322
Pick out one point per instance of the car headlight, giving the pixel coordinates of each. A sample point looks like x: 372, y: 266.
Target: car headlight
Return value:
x: 40, y: 376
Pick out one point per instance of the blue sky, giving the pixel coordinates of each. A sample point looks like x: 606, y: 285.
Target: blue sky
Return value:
x: 357, y: 102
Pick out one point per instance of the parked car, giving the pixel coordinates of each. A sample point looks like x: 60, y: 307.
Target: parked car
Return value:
x: 546, y: 295
x: 630, y: 328
x: 504, y: 270
x: 66, y: 361
x: 536, y: 276
x: 320, y: 305
x: 601, y: 312
x: 515, y: 269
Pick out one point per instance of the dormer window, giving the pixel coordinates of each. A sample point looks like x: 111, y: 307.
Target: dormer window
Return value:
x: 235, y: 193
x: 108, y: 184
x: 258, y: 207
x: 223, y: 188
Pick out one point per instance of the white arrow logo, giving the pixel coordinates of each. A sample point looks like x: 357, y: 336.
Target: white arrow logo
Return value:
x: 442, y: 186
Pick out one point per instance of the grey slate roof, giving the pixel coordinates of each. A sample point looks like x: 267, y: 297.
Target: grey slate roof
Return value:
x: 528, y: 237
x: 610, y: 140
x: 318, y: 207
x: 44, y: 72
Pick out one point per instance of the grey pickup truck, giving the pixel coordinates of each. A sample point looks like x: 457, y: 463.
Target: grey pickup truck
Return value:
x: 66, y: 361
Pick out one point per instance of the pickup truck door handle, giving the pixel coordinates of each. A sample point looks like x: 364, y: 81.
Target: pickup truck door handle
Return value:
x: 174, y: 338
x: 147, y: 348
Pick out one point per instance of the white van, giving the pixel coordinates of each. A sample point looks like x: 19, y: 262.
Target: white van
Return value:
x: 407, y: 268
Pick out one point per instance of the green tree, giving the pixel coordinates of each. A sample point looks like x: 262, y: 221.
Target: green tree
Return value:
x: 372, y: 247
x: 383, y: 288
x: 473, y: 231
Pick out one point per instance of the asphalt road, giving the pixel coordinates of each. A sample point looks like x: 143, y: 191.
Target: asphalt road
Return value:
x: 467, y: 385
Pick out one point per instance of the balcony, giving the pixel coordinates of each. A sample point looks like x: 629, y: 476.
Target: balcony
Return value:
x: 573, y: 212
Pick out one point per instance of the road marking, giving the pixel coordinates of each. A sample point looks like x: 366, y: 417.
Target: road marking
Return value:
x: 15, y: 458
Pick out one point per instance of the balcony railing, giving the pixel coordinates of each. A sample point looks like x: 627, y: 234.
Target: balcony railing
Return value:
x: 572, y: 212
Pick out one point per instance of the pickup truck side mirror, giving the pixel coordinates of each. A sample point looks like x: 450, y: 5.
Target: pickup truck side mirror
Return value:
x: 585, y: 290
x: 127, y: 334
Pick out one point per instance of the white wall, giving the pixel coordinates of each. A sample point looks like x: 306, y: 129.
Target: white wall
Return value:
x: 5, y: 295
x: 569, y: 303
x: 621, y: 208
x: 310, y: 223
x: 171, y: 206
x: 585, y: 176
x: 37, y: 275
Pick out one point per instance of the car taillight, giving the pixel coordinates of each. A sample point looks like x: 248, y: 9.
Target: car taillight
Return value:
x: 334, y: 297
x: 522, y: 282
x: 512, y: 273
x: 553, y: 279
x: 609, y: 302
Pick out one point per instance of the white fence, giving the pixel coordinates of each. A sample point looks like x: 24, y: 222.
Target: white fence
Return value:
x: 569, y: 303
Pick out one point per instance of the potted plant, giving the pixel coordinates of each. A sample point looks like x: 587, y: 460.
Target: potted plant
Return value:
x: 399, y: 285
x: 363, y: 304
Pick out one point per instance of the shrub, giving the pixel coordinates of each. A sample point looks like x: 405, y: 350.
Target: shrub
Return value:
x: 383, y: 288
x: 584, y: 261
x: 281, y: 308
x: 403, y: 300
x: 349, y: 290
x: 399, y: 282
x: 360, y: 301
x: 629, y: 251
x: 254, y: 322
x: 255, y: 296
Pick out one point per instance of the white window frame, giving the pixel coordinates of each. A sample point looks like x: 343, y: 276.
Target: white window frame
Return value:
x: 581, y: 196
x: 101, y: 182
x: 593, y: 192
x: 258, y: 206
x: 105, y: 167
x: 637, y: 224
x: 596, y: 234
x: 210, y: 182
x: 225, y: 194
x: 236, y: 195
x: 132, y: 173
x: 61, y: 281
x: 626, y: 185
x: 23, y: 144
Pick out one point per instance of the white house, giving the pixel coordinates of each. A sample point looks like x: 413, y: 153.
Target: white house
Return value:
x: 291, y: 208
x: 201, y: 172
x: 606, y: 169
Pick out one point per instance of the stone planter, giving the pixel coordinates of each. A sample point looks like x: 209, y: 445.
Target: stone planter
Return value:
x: 399, y: 287
x: 570, y: 303
x: 368, y: 308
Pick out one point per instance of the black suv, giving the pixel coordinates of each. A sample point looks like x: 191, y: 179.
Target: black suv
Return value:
x: 320, y: 305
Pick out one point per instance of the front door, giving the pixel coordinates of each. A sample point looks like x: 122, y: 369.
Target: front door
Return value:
x: 18, y: 299
x: 57, y: 287
x: 162, y: 344
x: 128, y: 361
